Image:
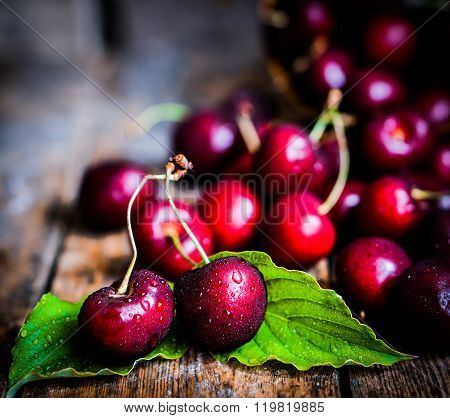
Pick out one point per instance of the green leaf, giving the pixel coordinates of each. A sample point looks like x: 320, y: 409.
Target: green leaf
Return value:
x: 306, y: 325
x: 48, y: 346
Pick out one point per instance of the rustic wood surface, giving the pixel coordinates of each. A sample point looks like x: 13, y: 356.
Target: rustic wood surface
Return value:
x: 54, y: 122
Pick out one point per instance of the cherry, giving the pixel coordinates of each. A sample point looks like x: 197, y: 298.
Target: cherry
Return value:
x: 313, y: 18
x: 397, y: 140
x: 286, y: 154
x: 421, y: 301
x: 387, y: 208
x: 209, y: 134
x: 130, y: 325
x: 441, y: 163
x: 106, y: 189
x: 222, y: 304
x: 232, y: 211
x: 367, y: 268
x: 348, y: 201
x: 330, y: 70
x: 325, y: 168
x: 376, y: 89
x: 390, y: 39
x: 157, y: 229
x: 298, y: 232
x: 434, y: 105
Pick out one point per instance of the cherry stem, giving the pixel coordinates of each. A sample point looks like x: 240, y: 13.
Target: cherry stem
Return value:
x: 173, y: 235
x: 150, y: 117
x: 169, y: 171
x: 344, y: 157
x: 319, y: 127
x: 247, y: 128
x: 420, y: 194
x: 124, y: 285
x: 274, y: 18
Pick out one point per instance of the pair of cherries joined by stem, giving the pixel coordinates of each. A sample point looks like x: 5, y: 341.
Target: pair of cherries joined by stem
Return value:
x: 222, y: 304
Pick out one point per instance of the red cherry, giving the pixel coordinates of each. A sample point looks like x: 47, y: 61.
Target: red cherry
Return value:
x: 153, y: 227
x: 376, y: 89
x: 295, y: 231
x: 397, y: 140
x: 313, y: 19
x: 330, y: 71
x: 286, y: 154
x: 106, y: 188
x: 368, y: 267
x: 131, y: 325
x: 232, y: 211
x: 349, y: 200
x: 325, y: 168
x: 441, y: 163
x: 208, y: 138
x: 390, y: 39
x: 434, y: 105
x: 387, y: 208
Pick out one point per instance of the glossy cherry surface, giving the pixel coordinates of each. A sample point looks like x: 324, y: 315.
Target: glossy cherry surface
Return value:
x: 207, y: 138
x: 368, y: 267
x: 441, y: 163
x: 434, y: 105
x: 286, y: 155
x: 330, y: 70
x: 131, y: 325
x: 387, y: 208
x: 349, y: 200
x: 421, y: 301
x: 313, y: 18
x: 222, y: 305
x: 375, y: 90
x: 106, y: 189
x: 397, y: 140
x: 156, y: 226
x: 296, y: 234
x: 232, y: 211
x: 390, y: 39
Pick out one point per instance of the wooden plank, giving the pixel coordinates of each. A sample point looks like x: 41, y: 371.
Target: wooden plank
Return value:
x: 427, y: 376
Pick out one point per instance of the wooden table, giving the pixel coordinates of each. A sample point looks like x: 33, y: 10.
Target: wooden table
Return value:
x: 54, y: 122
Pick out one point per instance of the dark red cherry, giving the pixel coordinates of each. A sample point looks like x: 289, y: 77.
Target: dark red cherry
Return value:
x: 207, y: 138
x: 368, y: 267
x: 331, y: 70
x: 387, y: 208
x: 313, y: 18
x: 441, y: 163
x: 222, y: 305
x: 421, y: 302
x: 390, y: 39
x: 296, y: 233
x: 106, y: 188
x: 325, y: 168
x: 376, y: 89
x: 232, y: 211
x: 286, y: 154
x: 131, y: 325
x: 156, y: 226
x: 397, y: 140
x: 349, y: 200
x: 434, y: 105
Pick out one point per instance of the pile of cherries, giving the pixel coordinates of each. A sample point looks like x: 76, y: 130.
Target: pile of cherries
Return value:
x: 283, y: 185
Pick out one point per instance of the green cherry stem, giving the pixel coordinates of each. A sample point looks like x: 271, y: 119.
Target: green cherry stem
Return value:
x: 420, y: 194
x: 173, y: 235
x: 344, y: 156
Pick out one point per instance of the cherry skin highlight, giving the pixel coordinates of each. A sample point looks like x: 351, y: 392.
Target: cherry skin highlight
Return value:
x: 367, y: 268
x: 390, y: 39
x: 208, y: 136
x: 106, y: 188
x: 286, y: 154
x: 156, y: 224
x: 387, y: 208
x: 397, y: 140
x: 295, y: 231
x: 441, y: 163
x: 222, y: 304
x: 313, y: 18
x: 434, y: 105
x: 376, y: 90
x: 349, y: 200
x: 232, y: 211
x: 132, y: 325
x: 421, y: 302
